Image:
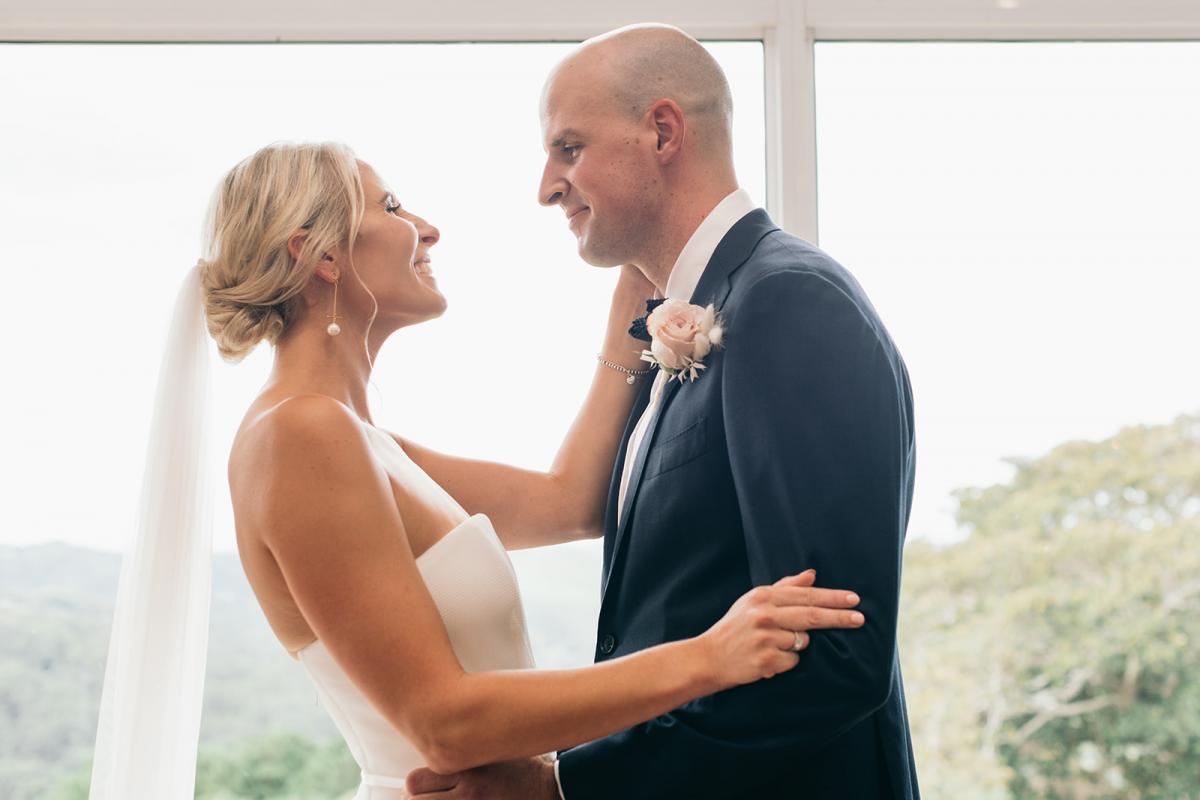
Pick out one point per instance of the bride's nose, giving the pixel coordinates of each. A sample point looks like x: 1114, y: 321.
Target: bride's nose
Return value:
x: 428, y: 233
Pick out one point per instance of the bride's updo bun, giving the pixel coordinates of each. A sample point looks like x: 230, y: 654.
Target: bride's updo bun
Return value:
x: 251, y: 282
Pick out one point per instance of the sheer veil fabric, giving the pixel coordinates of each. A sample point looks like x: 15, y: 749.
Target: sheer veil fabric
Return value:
x: 149, y: 726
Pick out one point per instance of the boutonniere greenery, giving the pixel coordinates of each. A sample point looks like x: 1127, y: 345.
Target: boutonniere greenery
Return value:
x: 680, y: 334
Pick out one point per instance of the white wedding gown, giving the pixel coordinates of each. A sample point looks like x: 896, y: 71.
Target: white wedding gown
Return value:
x: 471, y: 579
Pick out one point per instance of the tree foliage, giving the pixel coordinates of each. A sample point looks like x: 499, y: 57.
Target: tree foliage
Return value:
x: 1056, y: 651
x: 279, y: 766
x: 1052, y: 653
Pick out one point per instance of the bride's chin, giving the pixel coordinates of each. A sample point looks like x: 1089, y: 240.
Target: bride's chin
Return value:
x: 438, y: 305
x: 415, y: 316
x: 435, y: 313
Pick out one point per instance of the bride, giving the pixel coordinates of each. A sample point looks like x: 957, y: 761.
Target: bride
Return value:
x: 399, y: 603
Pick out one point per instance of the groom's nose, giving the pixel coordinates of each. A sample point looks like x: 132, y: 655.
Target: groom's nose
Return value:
x: 553, y: 185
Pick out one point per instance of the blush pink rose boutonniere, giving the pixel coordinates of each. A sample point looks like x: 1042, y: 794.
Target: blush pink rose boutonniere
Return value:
x: 681, y: 336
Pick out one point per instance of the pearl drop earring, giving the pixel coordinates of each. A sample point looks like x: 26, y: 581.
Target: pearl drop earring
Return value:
x: 333, y: 328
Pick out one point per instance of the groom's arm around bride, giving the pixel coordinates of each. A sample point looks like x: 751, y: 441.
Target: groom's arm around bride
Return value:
x: 793, y: 448
x: 816, y: 471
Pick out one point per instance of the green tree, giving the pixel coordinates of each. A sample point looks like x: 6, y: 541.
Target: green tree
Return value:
x: 279, y: 767
x: 282, y: 766
x: 1055, y: 653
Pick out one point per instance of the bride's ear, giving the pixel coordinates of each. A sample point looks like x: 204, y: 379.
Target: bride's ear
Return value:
x: 326, y: 268
x: 295, y: 242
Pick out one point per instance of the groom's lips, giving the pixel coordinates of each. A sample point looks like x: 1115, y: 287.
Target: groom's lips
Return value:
x: 573, y: 214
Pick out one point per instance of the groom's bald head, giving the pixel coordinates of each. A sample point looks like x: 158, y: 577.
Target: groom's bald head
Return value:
x: 628, y: 69
x: 637, y: 130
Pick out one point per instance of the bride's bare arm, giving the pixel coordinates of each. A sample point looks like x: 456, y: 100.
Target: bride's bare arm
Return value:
x: 531, y: 508
x: 329, y: 518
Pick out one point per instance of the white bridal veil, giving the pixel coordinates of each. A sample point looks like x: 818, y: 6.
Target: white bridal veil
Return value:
x: 149, y: 726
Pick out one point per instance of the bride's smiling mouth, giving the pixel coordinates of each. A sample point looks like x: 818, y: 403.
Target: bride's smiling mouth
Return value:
x: 423, y: 267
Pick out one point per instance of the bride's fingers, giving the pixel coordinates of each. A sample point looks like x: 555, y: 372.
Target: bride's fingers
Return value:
x: 786, y: 639
x: 812, y: 596
x: 806, y: 578
x: 807, y: 618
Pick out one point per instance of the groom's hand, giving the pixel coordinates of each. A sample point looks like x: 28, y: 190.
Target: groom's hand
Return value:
x: 526, y: 779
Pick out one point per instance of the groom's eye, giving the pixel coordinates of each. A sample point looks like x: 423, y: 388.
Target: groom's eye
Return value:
x: 571, y: 150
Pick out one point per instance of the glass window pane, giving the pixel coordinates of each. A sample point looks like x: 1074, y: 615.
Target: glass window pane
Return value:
x: 1024, y: 216
x: 110, y: 155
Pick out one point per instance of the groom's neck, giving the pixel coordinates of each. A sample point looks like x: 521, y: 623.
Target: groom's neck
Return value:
x: 682, y: 215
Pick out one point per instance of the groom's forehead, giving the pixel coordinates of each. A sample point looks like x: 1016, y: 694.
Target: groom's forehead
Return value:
x: 561, y: 136
x: 566, y: 116
x: 572, y: 92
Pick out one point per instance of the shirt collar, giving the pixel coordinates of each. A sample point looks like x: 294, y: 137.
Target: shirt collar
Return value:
x: 695, y: 255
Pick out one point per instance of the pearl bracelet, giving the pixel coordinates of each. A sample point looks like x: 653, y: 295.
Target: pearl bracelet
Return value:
x: 631, y: 374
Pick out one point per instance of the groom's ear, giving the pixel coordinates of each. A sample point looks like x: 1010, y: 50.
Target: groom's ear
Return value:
x: 670, y: 128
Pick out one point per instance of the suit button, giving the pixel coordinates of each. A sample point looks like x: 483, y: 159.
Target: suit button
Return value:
x: 608, y: 644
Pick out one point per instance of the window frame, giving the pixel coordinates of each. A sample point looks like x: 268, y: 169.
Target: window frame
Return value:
x: 788, y: 30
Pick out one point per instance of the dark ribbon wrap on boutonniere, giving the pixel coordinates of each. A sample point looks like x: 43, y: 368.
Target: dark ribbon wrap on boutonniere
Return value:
x: 682, y: 337
x: 638, y: 329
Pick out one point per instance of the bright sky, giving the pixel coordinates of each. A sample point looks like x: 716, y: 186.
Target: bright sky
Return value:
x: 110, y: 156
x: 1024, y: 216
x: 1026, y: 220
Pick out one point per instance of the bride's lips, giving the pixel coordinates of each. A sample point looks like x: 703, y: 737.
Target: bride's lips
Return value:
x: 422, y: 266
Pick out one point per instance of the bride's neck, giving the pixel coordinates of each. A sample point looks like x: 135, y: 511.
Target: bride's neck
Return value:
x: 310, y: 361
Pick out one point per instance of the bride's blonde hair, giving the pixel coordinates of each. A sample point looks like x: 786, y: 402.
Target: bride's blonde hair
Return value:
x: 251, y: 282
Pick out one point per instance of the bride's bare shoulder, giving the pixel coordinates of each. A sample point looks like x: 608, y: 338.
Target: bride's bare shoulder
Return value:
x: 290, y: 433
x: 268, y: 421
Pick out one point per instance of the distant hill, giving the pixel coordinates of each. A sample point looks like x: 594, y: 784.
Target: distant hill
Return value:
x: 56, y: 605
x: 55, y: 611
x: 1052, y: 653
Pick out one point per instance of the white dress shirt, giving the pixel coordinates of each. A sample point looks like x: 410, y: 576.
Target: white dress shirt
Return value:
x: 681, y: 283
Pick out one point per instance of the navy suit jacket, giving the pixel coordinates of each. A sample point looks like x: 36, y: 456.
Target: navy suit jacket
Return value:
x: 794, y: 449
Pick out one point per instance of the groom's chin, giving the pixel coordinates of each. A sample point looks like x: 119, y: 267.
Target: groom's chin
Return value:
x: 597, y: 260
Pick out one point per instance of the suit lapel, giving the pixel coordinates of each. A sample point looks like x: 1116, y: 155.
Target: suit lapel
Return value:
x: 614, y: 488
x: 731, y: 253
x: 635, y: 474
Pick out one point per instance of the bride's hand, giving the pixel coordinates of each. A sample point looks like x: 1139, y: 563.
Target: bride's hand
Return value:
x: 628, y: 303
x: 632, y: 283
x: 754, y: 639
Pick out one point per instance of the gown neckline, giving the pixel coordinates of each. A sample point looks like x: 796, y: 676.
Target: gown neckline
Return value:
x: 449, y: 534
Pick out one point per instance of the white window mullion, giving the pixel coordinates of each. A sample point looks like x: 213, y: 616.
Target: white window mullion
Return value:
x: 791, y: 122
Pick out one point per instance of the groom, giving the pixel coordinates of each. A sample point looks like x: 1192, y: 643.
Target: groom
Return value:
x: 792, y: 449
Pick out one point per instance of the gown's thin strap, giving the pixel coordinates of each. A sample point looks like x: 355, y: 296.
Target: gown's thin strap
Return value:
x: 386, y: 781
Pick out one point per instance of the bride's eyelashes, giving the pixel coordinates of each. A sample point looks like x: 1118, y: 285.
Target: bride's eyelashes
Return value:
x: 391, y: 205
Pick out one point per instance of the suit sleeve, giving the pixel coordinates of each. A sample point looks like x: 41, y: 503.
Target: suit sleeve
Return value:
x: 819, y: 436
